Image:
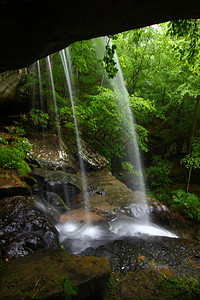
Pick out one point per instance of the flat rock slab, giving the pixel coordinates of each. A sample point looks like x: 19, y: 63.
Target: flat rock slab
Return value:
x: 11, y: 185
x: 80, y: 215
x: 36, y: 276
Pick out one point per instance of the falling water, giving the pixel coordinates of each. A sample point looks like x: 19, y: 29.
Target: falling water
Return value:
x: 118, y: 86
x: 55, y: 107
x: 40, y: 87
x: 79, y: 145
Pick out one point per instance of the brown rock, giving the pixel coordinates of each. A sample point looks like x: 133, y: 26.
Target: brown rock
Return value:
x: 38, y: 275
x: 11, y: 185
x: 80, y: 215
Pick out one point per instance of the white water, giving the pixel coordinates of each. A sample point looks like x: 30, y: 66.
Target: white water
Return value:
x: 68, y: 75
x: 79, y: 236
x: 126, y: 226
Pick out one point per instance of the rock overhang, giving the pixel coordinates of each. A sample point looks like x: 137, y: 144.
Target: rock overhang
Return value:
x: 31, y: 29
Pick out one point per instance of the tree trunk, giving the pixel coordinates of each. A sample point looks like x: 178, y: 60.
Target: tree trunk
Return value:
x: 191, y: 140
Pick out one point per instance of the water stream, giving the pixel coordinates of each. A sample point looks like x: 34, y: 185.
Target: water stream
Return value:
x: 68, y: 75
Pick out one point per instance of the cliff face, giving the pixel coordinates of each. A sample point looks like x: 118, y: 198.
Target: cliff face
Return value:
x: 12, y: 98
x: 30, y: 30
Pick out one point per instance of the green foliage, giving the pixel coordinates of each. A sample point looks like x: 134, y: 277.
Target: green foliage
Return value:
x: 193, y: 159
x: 113, y: 289
x: 177, y: 288
x: 189, y: 32
x: 158, y: 172
x: 162, y: 194
x: 68, y: 288
x: 187, y: 204
x: 38, y: 118
x: 143, y: 110
x: 109, y: 62
x: 14, y: 153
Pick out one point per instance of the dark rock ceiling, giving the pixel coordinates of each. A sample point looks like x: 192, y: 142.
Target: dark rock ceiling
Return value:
x: 32, y: 29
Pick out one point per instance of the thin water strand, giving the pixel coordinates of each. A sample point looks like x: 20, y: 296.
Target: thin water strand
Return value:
x: 40, y: 87
x: 79, y: 145
x: 55, y: 106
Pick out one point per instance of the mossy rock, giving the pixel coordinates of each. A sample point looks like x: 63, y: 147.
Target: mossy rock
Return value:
x: 11, y: 185
x: 37, y: 276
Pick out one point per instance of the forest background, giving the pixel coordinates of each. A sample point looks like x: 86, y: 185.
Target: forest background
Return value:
x: 160, y: 65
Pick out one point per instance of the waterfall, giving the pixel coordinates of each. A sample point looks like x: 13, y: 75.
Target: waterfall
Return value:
x: 68, y: 75
x: 118, y: 86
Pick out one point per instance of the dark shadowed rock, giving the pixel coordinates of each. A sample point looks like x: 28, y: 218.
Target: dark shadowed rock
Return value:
x: 29, y: 32
x: 133, y: 254
x: 24, y: 228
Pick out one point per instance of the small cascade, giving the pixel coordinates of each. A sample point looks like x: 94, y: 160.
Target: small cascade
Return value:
x: 68, y: 75
x: 133, y: 153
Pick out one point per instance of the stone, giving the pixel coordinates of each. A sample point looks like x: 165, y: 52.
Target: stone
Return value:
x: 24, y: 228
x: 11, y: 185
x: 23, y: 40
x: 91, y: 159
x: 177, y: 255
x: 46, y: 153
x: 41, y: 274
x: 66, y: 185
x: 80, y: 215
x: 119, y: 199
x: 12, y: 100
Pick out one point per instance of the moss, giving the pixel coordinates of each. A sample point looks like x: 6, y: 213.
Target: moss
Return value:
x: 177, y: 288
x: 42, y: 275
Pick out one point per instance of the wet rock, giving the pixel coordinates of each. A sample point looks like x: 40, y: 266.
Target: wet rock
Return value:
x: 105, y: 188
x: 11, y: 185
x: 24, y: 228
x: 81, y: 215
x: 92, y: 160
x: 44, y: 269
x: 55, y: 200
x: 157, y: 212
x: 134, y: 254
x: 48, y: 154
x: 66, y: 185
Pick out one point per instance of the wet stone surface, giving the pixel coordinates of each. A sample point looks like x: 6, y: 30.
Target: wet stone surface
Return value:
x: 24, y: 228
x: 133, y: 254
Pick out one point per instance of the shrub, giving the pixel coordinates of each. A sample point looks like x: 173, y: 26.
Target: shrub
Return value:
x: 187, y: 204
x: 158, y: 173
x: 13, y: 154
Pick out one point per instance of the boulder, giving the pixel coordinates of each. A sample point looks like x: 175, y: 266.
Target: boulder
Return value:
x: 46, y: 274
x: 47, y: 153
x: 24, y: 228
x: 11, y: 185
x: 91, y: 159
x: 108, y: 194
x: 12, y: 99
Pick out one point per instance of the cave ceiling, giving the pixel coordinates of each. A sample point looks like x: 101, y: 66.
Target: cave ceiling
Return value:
x: 32, y: 29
